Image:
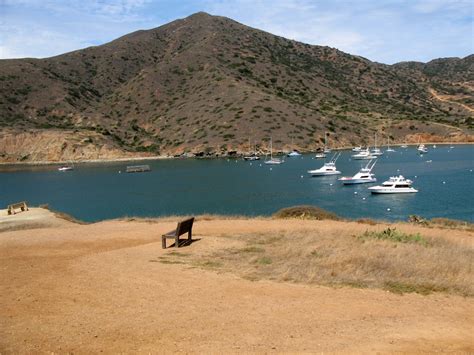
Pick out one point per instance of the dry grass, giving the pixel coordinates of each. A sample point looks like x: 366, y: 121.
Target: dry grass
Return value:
x: 198, y: 218
x: 441, y: 223
x: 393, y: 260
x: 306, y: 212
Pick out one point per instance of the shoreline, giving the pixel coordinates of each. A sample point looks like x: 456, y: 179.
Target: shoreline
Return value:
x: 169, y: 157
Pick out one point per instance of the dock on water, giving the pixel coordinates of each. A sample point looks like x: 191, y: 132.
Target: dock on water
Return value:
x: 138, y: 168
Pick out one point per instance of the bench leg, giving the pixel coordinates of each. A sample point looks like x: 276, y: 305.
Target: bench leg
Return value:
x: 163, y: 242
x: 176, y: 242
x: 189, y: 235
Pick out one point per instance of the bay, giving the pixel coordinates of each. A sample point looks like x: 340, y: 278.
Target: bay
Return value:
x: 94, y: 192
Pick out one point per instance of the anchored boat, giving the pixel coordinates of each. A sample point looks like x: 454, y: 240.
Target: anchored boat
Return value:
x: 328, y: 168
x: 363, y: 176
x: 394, y: 185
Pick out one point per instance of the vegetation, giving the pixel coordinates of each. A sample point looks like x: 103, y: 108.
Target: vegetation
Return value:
x: 253, y: 87
x: 305, y: 212
x: 388, y: 259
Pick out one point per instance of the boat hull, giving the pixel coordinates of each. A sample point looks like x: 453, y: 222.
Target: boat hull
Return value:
x: 376, y: 190
x: 350, y: 181
x: 323, y: 173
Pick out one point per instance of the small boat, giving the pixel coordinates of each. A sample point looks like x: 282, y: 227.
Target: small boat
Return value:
x: 394, y: 185
x: 363, y: 155
x: 434, y: 146
x: 376, y: 151
x: 326, y: 149
x: 388, y: 146
x: 272, y: 160
x: 357, y: 149
x: 363, y: 176
x: 320, y: 156
x: 404, y: 145
x: 294, y: 153
x: 422, y: 149
x: 67, y: 167
x: 137, y: 168
x: 328, y: 168
x: 253, y: 156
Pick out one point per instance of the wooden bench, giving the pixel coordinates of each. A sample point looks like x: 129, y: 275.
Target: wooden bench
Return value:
x: 20, y: 205
x: 183, y: 227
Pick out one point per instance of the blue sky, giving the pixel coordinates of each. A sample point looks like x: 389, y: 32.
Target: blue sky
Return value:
x: 386, y: 31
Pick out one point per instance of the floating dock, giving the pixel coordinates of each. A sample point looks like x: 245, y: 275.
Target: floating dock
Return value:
x: 138, y: 168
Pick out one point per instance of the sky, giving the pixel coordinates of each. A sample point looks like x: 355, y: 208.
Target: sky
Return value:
x: 386, y: 31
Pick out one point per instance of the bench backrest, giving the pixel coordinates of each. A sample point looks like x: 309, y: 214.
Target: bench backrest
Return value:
x: 185, y: 226
x: 17, y: 205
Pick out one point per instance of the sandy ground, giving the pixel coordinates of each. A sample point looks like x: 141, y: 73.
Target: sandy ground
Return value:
x: 93, y: 288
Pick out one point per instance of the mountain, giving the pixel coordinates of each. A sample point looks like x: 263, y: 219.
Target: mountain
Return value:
x: 207, y: 84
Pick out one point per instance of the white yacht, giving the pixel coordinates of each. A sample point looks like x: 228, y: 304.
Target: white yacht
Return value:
x: 320, y: 156
x: 363, y: 176
x: 394, y: 185
x: 363, y: 155
x: 422, y: 149
x: 294, y: 153
x: 327, y: 168
x: 272, y: 160
x: 357, y: 149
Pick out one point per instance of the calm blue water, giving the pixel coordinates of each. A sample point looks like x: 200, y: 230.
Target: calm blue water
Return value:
x: 221, y: 186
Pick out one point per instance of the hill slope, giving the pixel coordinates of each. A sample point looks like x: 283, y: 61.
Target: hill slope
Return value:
x: 209, y: 84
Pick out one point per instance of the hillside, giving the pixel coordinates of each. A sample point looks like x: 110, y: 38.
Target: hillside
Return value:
x: 207, y: 84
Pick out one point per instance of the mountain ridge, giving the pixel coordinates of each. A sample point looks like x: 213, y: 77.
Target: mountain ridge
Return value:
x: 207, y: 84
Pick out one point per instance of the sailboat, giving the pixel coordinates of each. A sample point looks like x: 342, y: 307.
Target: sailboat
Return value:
x: 388, y: 146
x: 326, y: 149
x: 272, y: 161
x: 253, y: 156
x: 376, y: 151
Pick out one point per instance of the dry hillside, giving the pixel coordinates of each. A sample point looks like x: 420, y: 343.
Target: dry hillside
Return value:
x: 209, y: 84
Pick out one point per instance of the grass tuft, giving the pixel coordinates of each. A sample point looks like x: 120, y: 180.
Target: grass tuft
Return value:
x: 305, y: 212
x: 393, y: 235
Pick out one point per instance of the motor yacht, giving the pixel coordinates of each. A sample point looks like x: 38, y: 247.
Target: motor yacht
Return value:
x: 294, y: 154
x: 357, y: 149
x: 363, y: 176
x: 65, y: 168
x: 422, y: 149
x: 363, y: 155
x: 394, y: 185
x: 320, y: 156
x: 327, y: 169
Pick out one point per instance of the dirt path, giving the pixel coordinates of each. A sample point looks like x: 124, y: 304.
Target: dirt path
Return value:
x: 101, y: 287
x: 445, y: 98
